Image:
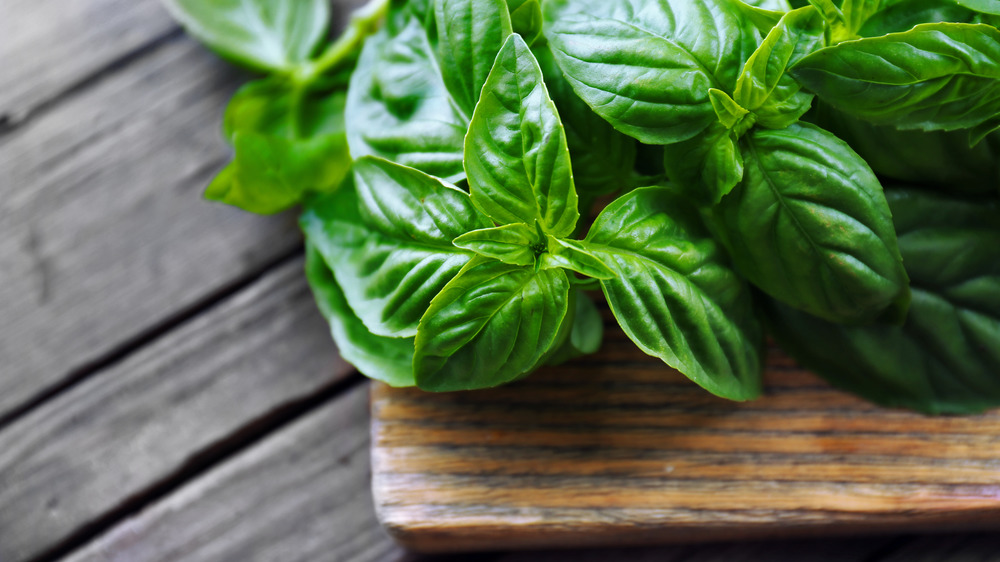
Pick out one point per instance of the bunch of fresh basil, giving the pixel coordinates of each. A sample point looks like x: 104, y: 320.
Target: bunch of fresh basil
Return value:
x: 828, y: 169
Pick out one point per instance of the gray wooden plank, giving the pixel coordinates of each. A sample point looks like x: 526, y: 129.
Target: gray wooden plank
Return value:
x: 103, y: 232
x: 49, y: 46
x: 302, y: 494
x: 109, y: 439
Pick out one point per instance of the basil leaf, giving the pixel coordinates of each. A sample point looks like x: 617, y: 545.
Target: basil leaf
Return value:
x: 389, y: 244
x: 706, y: 167
x: 405, y: 202
x: 857, y: 12
x: 723, y: 168
x: 829, y: 11
x: 729, y: 113
x: 896, y: 16
x: 389, y: 360
x: 810, y: 226
x: 588, y: 326
x: 514, y: 244
x: 288, y: 142
x: 983, y: 130
x: 469, y: 34
x: 602, y: 158
x: 946, y: 358
x: 423, y: 10
x: 673, y: 293
x: 764, y: 87
x: 260, y: 34
x: 984, y: 6
x: 569, y: 254
x: 270, y: 174
x: 491, y: 324
x: 941, y: 76
x: 846, y: 21
x: 277, y: 108
x: 648, y: 71
x: 988, y: 19
x: 587, y: 331
x: 934, y: 158
x: 773, y: 5
x: 526, y: 19
x: 398, y: 107
x: 516, y: 156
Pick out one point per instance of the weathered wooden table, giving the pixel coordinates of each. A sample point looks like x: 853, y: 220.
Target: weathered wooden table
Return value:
x: 167, y: 389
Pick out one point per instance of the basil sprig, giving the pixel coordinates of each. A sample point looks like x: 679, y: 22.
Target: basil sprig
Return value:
x: 474, y: 173
x: 287, y: 130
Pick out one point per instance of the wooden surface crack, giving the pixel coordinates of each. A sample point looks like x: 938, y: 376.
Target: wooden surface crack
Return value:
x: 143, y: 339
x: 11, y: 121
x: 201, y: 463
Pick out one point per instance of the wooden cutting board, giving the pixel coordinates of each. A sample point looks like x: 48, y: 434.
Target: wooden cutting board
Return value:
x: 619, y: 449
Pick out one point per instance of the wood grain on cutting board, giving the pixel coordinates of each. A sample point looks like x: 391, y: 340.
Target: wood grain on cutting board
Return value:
x: 617, y: 448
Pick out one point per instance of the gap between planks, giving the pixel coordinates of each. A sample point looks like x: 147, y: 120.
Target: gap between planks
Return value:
x: 187, y: 401
x: 103, y: 237
x: 146, y: 337
x: 204, y: 463
x: 300, y: 494
x: 11, y: 123
x: 51, y: 47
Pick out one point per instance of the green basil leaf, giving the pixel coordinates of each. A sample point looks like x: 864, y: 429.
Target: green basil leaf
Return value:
x: 852, y: 16
x: 514, y: 244
x: 934, y: 158
x: 389, y: 360
x: 412, y: 205
x: 648, y: 71
x: 516, y: 156
x: 569, y: 254
x: 857, y: 12
x: 587, y: 331
x: 288, y: 141
x: 673, y: 293
x: 261, y: 34
x: 895, y: 16
x: 398, y: 107
x: 602, y: 158
x: 277, y: 108
x: 469, y: 35
x: 706, y: 167
x: 588, y: 326
x: 946, y: 358
x: 810, y: 226
x: 491, y: 324
x: 773, y: 5
x: 829, y: 11
x: 940, y: 76
x: 764, y: 87
x: 729, y: 113
x: 984, y: 6
x: 271, y: 174
x: 389, y: 243
x: 423, y: 10
x: 988, y: 19
x: 761, y: 19
x: 980, y: 132
x: 526, y: 19
x: 723, y: 166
